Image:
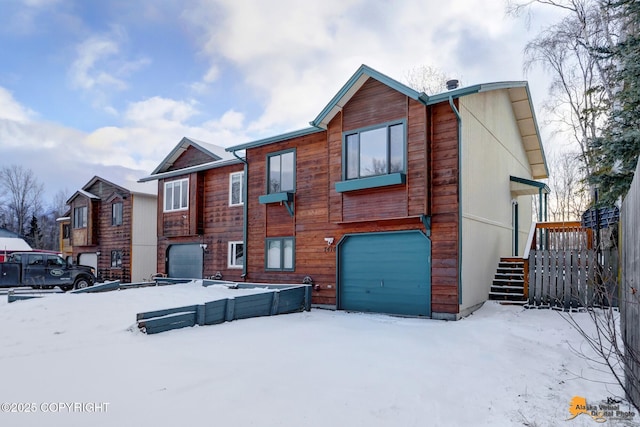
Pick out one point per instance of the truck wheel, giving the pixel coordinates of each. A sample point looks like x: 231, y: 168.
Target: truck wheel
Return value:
x: 81, y: 282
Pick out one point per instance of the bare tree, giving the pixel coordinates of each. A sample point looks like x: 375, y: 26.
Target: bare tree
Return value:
x: 22, y: 196
x: 570, y: 195
x: 426, y: 79
x: 582, y: 85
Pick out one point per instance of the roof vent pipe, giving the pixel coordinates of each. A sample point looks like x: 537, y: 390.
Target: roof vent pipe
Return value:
x: 452, y: 84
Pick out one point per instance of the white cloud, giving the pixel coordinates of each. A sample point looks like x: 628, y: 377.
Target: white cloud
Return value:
x: 296, y: 55
x: 11, y: 110
x: 99, y: 68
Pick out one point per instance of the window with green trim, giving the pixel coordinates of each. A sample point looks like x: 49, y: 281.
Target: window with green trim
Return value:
x: 281, y: 172
x: 116, y: 213
x: 280, y: 254
x: 375, y: 151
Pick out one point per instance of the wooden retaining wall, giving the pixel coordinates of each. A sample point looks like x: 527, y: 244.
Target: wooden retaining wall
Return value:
x: 280, y: 299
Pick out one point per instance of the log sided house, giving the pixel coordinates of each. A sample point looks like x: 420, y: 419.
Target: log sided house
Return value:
x: 113, y: 229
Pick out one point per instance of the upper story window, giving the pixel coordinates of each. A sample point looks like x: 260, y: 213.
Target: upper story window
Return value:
x: 281, y: 172
x: 375, y: 151
x: 80, y: 217
x: 116, y: 213
x: 176, y: 195
x: 236, y: 193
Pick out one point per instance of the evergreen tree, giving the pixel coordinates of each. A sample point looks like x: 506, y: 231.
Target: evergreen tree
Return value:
x: 615, y: 153
x: 34, y: 237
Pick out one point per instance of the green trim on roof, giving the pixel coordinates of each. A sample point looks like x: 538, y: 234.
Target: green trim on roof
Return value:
x: 191, y: 169
x: 540, y: 185
x: 369, y: 72
x: 277, y: 138
x: 470, y: 90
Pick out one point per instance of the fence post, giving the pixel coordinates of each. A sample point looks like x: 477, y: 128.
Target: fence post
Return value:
x: 200, y: 314
x: 231, y: 306
x: 275, y: 301
x: 307, y: 298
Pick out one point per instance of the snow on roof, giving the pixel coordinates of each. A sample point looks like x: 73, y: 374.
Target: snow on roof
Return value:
x: 13, y: 244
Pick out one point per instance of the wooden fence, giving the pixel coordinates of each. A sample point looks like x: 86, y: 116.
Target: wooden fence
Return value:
x: 630, y: 286
x: 279, y: 299
x: 568, y: 279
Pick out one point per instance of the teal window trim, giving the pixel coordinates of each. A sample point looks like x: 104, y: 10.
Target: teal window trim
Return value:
x: 268, y: 168
x: 282, y: 253
x: 358, y: 131
x: 285, y: 198
x: 371, y: 182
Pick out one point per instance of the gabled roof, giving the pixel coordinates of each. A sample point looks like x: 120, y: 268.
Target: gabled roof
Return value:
x: 133, y: 187
x: 82, y: 193
x: 353, y: 85
x: 191, y: 169
x: 518, y: 93
x: 215, y: 152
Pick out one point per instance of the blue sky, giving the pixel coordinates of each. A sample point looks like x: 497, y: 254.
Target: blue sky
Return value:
x: 109, y: 87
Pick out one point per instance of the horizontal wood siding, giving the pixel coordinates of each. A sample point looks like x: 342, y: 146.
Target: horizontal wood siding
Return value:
x: 320, y: 211
x: 112, y: 237
x: 373, y: 104
x: 375, y: 204
x: 191, y: 157
x: 417, y: 171
x: 216, y: 223
x: 444, y: 209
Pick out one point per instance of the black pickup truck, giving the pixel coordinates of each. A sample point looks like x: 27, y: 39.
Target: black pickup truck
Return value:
x: 42, y: 270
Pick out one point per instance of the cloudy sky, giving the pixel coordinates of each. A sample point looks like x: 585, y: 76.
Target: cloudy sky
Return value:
x: 108, y: 88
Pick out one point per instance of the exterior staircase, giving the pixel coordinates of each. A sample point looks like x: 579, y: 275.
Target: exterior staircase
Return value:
x: 508, y: 283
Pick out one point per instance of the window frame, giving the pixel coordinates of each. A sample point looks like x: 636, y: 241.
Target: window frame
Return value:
x: 241, y: 196
x: 116, y: 255
x: 114, y: 216
x: 387, y: 126
x: 282, y: 253
x: 231, y: 259
x: 80, y: 220
x: 173, y: 184
x: 268, y: 169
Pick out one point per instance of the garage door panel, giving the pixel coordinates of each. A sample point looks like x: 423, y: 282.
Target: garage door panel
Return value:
x: 386, y: 273
x: 185, y: 261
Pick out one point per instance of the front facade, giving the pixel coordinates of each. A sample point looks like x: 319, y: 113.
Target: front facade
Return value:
x: 113, y: 229
x: 200, y: 212
x: 393, y: 201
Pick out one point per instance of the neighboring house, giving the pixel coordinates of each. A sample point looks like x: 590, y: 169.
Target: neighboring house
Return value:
x: 11, y: 242
x: 64, y: 244
x: 200, y: 212
x: 113, y: 229
x: 392, y: 201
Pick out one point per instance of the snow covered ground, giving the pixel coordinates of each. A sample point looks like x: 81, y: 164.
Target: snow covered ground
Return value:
x: 79, y: 360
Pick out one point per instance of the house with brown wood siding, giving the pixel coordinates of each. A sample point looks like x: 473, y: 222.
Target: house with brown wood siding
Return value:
x: 392, y: 201
x: 200, y: 212
x: 113, y: 229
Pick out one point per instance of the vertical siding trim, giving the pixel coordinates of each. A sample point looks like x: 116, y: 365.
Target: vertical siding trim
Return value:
x: 245, y: 212
x: 459, y: 119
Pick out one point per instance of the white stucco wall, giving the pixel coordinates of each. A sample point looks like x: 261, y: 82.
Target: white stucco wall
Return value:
x: 144, y: 237
x: 492, y: 150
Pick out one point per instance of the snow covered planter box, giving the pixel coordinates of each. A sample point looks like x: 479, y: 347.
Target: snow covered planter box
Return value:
x: 278, y: 299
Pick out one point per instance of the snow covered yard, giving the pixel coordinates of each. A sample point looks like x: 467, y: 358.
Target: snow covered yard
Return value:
x: 502, y: 366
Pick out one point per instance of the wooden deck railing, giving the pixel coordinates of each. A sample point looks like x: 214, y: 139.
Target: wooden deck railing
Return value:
x: 558, y: 236
x: 555, y: 236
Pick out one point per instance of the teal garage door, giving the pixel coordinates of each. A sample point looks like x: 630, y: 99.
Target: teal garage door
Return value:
x: 185, y: 261
x: 385, y: 273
